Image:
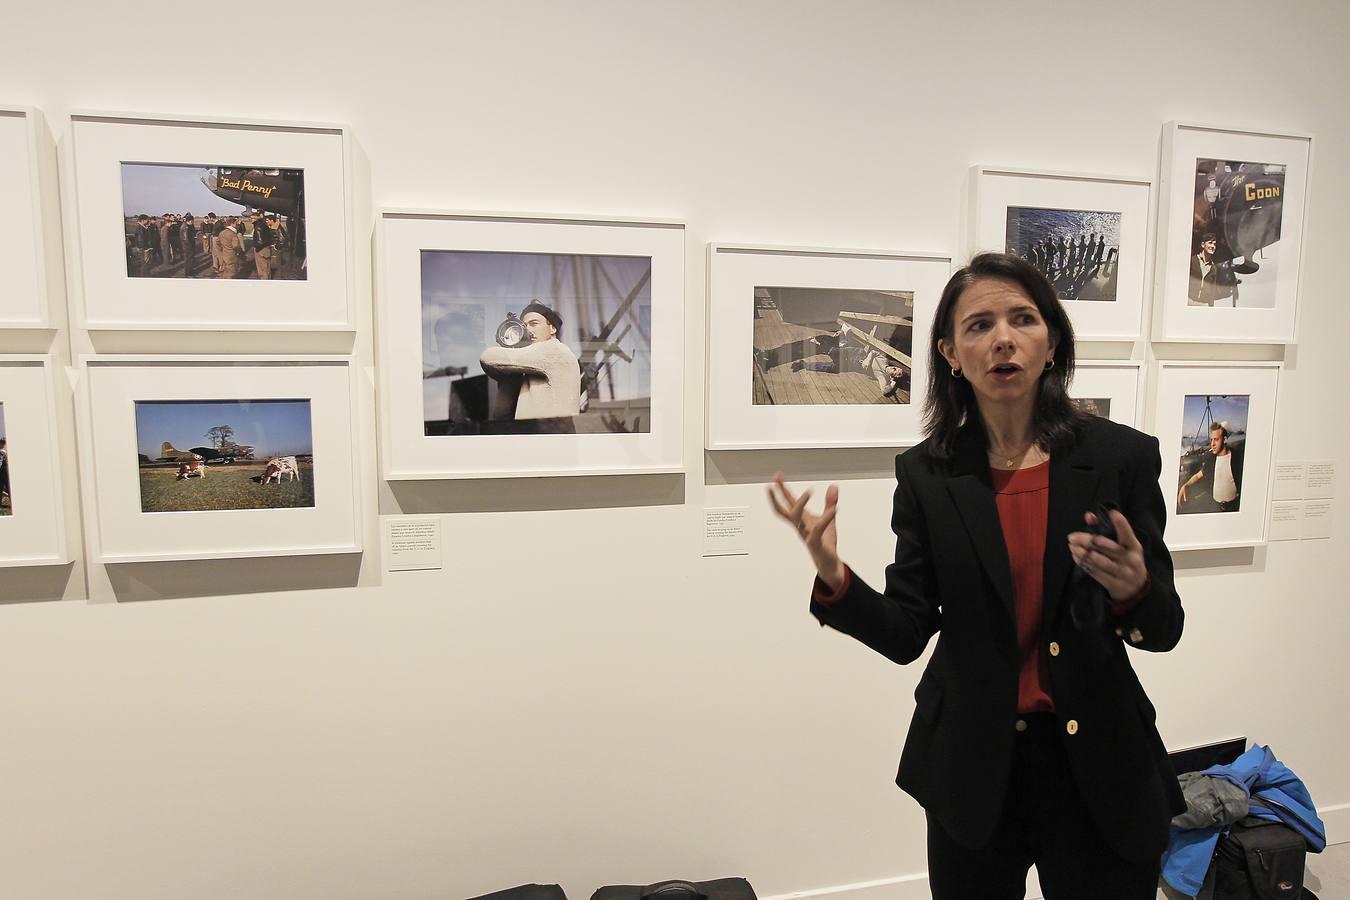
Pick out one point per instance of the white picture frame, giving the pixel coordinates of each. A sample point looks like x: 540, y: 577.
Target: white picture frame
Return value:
x: 24, y: 258
x: 776, y: 397
x: 1230, y: 303
x: 120, y: 531
x: 419, y: 442
x: 32, y: 529
x: 1120, y: 382
x: 1049, y: 203
x: 105, y: 295
x: 1241, y: 396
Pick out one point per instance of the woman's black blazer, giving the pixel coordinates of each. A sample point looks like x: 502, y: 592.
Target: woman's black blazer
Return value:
x: 951, y: 576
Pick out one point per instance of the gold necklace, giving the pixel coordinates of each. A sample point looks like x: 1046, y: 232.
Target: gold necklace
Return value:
x: 1010, y: 461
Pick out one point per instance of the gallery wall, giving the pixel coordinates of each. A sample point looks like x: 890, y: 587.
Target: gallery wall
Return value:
x: 579, y: 695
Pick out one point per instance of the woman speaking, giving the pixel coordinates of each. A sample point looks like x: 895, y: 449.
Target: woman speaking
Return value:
x: 1032, y: 740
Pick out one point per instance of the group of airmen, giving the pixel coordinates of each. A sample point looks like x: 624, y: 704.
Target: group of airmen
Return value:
x: 168, y: 245
x: 1051, y: 256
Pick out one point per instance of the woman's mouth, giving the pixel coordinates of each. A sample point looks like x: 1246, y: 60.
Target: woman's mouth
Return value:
x: 1005, y: 371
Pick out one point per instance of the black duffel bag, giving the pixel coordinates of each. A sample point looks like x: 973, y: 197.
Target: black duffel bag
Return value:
x: 527, y: 892
x: 718, y: 889
x: 1260, y: 860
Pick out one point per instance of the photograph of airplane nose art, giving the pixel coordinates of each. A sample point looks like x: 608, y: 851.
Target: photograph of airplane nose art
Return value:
x: 185, y: 221
x: 1235, y: 234
x: 825, y: 346
x: 535, y: 343
x: 6, y: 499
x: 224, y: 454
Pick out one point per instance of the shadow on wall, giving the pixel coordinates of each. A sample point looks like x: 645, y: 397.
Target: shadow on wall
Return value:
x: 533, y: 494
x: 133, y: 582
x: 823, y: 464
x: 35, y: 584
x: 1220, y: 561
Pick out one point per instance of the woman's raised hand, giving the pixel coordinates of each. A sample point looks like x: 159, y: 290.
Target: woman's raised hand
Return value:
x: 1116, y: 565
x: 816, y: 531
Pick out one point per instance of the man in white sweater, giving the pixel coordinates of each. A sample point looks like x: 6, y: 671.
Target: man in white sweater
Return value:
x: 545, y: 370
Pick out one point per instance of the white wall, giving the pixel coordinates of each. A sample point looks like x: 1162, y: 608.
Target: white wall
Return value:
x: 610, y: 706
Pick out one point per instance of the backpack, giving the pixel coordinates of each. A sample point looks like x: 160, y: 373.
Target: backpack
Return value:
x: 1260, y: 860
x: 719, y: 889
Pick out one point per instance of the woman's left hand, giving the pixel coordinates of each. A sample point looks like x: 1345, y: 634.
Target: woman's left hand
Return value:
x: 1116, y: 565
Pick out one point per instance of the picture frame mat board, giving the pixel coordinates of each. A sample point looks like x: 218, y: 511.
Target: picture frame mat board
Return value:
x: 107, y: 298
x: 34, y: 534
x: 1259, y: 381
x: 120, y: 531
x: 734, y: 421
x: 408, y: 453
x: 1175, y: 318
x: 995, y: 189
x: 1120, y: 381
x: 23, y: 302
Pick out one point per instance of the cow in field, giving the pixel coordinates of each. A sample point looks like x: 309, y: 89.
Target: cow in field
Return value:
x: 281, y: 465
x: 191, y: 469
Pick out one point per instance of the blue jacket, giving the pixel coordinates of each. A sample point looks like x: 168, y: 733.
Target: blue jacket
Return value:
x: 1264, y: 778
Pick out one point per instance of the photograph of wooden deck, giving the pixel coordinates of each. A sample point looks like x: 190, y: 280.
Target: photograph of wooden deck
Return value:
x: 822, y: 346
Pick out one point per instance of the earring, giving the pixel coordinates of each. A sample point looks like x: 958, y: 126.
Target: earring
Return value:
x: 1050, y: 364
x: 956, y: 373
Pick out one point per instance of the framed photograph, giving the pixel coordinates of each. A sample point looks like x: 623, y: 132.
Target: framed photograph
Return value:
x: 818, y: 347
x: 1216, y: 424
x: 32, y: 528
x: 1110, y: 389
x: 23, y: 256
x: 191, y: 225
x: 1230, y: 237
x: 284, y: 458
x: 203, y: 458
x: 242, y: 242
x: 549, y: 346
x: 1087, y: 233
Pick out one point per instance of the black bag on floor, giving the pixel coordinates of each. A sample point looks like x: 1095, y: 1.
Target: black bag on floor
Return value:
x: 527, y: 892
x: 1260, y: 860
x: 719, y: 889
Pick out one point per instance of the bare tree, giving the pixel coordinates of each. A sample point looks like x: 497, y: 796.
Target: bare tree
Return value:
x: 220, y: 435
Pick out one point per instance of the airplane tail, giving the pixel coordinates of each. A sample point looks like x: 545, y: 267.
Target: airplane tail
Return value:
x: 166, y: 448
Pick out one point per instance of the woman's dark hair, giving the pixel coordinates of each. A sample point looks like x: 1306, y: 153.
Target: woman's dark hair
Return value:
x: 951, y: 401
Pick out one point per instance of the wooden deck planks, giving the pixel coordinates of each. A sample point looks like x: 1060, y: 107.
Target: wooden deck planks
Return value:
x: 808, y: 388
x: 759, y: 388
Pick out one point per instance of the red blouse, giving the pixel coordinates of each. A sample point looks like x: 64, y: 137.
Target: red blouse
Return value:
x: 1023, y: 499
